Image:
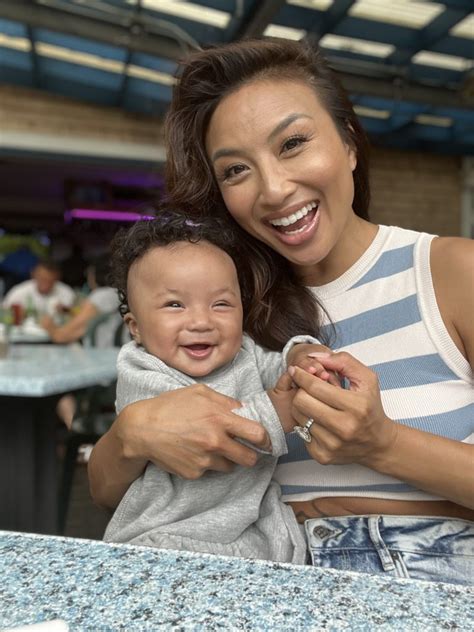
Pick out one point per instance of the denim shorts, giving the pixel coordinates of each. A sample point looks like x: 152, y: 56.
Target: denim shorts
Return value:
x: 419, y: 547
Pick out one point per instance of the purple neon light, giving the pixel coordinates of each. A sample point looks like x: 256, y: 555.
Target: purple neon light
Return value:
x: 112, y: 216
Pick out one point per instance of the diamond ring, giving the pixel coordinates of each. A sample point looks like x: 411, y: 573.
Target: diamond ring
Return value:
x: 303, y: 431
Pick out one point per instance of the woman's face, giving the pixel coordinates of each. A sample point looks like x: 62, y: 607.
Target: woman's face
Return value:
x: 283, y: 170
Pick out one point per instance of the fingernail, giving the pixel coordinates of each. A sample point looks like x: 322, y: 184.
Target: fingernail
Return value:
x: 291, y: 370
x: 317, y: 354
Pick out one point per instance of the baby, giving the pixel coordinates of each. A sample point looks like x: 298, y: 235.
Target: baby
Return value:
x: 181, y: 299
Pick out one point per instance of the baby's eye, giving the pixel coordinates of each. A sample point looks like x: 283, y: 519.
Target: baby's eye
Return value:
x: 175, y: 304
x: 293, y: 142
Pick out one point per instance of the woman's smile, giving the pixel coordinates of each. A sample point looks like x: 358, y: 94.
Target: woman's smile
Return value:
x: 296, y: 228
x: 283, y: 170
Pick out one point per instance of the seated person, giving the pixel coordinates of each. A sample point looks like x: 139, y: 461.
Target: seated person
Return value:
x: 180, y: 294
x: 44, y: 293
x: 101, y: 301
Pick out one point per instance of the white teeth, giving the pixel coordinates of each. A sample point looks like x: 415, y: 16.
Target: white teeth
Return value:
x: 294, y: 217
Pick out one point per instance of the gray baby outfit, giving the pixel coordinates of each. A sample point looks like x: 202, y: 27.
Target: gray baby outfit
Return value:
x: 238, y: 513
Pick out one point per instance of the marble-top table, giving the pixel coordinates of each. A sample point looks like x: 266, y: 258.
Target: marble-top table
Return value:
x: 32, y: 378
x: 36, y: 370
x: 96, y: 586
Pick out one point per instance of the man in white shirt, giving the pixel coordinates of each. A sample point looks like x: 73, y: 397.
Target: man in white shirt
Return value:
x: 43, y: 293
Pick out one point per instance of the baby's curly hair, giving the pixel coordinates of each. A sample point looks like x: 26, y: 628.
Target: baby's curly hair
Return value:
x: 170, y: 227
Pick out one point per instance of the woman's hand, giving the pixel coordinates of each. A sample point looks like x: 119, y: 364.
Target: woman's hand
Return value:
x: 350, y: 424
x: 306, y: 356
x: 185, y: 432
x: 191, y: 430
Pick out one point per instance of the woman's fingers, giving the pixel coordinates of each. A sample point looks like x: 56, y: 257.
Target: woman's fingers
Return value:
x: 351, y: 424
x: 191, y: 430
x: 229, y: 402
x: 319, y: 389
x: 359, y: 376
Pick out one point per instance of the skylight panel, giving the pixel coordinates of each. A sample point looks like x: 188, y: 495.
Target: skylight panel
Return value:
x: 16, y: 43
x: 411, y: 13
x: 188, y: 11
x: 428, y: 58
x: 151, y: 75
x: 361, y: 110
x: 430, y: 119
x: 464, y: 28
x: 86, y: 59
x: 284, y: 32
x: 78, y: 57
x: 320, y: 5
x: 353, y: 45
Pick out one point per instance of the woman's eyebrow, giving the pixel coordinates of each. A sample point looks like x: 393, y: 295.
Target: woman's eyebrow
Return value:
x: 288, y: 120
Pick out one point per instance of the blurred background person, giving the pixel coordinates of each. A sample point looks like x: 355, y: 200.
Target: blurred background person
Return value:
x: 97, y: 315
x: 99, y: 308
x: 44, y: 293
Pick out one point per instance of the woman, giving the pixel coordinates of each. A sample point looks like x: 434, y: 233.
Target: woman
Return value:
x: 264, y: 132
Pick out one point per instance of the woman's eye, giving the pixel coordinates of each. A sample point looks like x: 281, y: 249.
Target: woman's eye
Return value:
x: 233, y: 171
x: 222, y: 304
x: 293, y: 143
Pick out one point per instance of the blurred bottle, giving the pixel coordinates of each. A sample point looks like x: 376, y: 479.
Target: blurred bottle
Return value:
x: 17, y: 313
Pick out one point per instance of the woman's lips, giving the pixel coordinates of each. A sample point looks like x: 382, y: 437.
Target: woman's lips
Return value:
x: 198, y: 351
x: 300, y: 231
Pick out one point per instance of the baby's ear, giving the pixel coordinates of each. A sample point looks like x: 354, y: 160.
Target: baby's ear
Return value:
x: 132, y: 325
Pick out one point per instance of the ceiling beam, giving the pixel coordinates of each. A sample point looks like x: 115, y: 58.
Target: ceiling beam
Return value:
x: 35, y: 73
x: 135, y: 39
x: 429, y: 35
x: 329, y: 20
x: 258, y: 18
x: 124, y: 83
x: 403, y: 91
x: 459, y: 4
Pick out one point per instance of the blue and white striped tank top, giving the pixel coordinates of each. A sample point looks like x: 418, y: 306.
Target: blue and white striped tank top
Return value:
x: 385, y: 314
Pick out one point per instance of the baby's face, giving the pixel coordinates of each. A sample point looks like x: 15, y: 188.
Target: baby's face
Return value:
x: 185, y: 306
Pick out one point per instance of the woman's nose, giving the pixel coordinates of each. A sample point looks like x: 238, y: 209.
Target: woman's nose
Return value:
x: 276, y: 185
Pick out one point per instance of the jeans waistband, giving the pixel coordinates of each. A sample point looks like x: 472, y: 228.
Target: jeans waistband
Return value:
x: 428, y: 533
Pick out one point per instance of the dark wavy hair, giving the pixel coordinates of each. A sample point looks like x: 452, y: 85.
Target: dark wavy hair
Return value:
x: 282, y: 304
x: 207, y: 76
x: 253, y: 261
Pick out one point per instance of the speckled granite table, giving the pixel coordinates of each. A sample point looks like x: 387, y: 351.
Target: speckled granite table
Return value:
x: 96, y: 586
x: 32, y: 378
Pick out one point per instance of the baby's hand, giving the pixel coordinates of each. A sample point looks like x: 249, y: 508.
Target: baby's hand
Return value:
x: 281, y: 396
x: 305, y: 356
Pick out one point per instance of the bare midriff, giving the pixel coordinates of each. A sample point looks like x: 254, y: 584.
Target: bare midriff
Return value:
x: 358, y: 506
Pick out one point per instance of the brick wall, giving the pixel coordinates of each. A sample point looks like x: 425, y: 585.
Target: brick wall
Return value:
x: 416, y: 190
x: 35, y: 120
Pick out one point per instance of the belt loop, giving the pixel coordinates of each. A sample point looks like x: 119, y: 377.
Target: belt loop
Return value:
x: 383, y: 552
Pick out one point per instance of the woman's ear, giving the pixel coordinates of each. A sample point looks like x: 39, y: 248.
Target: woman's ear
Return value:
x: 352, y: 157
x: 132, y: 325
x: 350, y: 146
